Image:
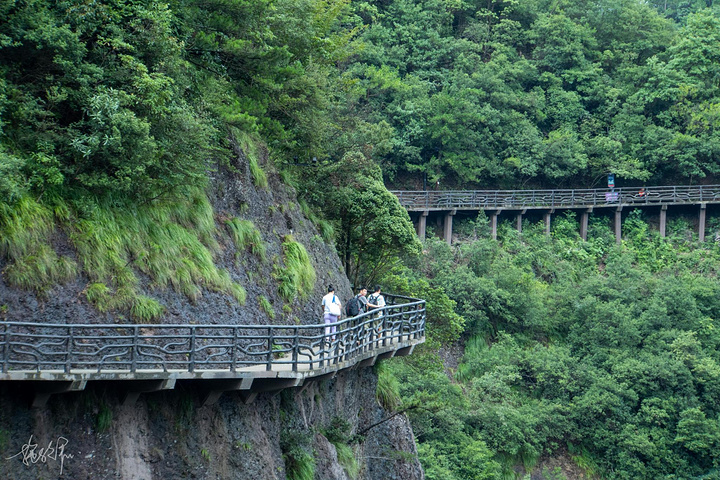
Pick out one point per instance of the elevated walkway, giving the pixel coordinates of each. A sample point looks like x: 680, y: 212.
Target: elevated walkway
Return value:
x: 250, y: 359
x: 520, y: 202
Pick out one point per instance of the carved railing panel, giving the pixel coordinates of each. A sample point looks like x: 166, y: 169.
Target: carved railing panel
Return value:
x: 132, y: 348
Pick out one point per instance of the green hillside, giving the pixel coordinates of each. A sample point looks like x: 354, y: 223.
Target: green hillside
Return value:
x: 119, y: 123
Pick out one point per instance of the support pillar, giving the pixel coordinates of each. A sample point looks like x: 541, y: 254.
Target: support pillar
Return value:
x: 618, y: 225
x: 701, y: 223
x: 44, y: 389
x: 212, y: 389
x: 493, y: 224
x: 518, y: 220
x: 663, y: 220
x: 584, y: 218
x: 422, y: 225
x: 136, y: 387
x: 448, y: 226
x: 547, y: 216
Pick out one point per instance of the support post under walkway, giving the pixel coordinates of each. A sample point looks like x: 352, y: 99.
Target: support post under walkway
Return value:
x: 519, y: 218
x: 547, y: 217
x: 584, y: 220
x: 422, y: 225
x: 493, y: 223
x: 448, y: 226
x: 663, y: 220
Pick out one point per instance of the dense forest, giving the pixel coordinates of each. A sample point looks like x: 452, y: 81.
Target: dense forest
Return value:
x: 601, y: 353
x: 114, y: 115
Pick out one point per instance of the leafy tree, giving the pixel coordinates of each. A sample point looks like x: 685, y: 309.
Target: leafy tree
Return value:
x: 373, y: 230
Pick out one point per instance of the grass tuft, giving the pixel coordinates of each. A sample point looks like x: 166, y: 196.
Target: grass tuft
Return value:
x: 387, y: 391
x: 249, y: 146
x: 298, y: 276
x: 146, y: 309
x: 259, y: 176
x: 171, y: 241
x: 266, y: 307
x: 25, y: 228
x: 299, y: 461
x: 325, y: 228
x: 99, y: 295
x: 247, y: 236
x: 103, y: 421
x: 346, y: 458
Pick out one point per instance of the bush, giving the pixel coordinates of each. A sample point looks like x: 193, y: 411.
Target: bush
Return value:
x: 297, y: 454
x: 297, y: 278
x: 247, y: 236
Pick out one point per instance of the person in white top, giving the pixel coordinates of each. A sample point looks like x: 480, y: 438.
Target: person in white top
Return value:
x: 332, y: 308
x: 375, y: 302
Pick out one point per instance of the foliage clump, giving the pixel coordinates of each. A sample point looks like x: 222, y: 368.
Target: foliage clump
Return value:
x: 372, y: 230
x: 387, y: 391
x: 26, y: 227
x: 297, y: 277
x: 339, y: 434
x: 247, y: 237
x: 172, y: 242
x: 602, y: 352
x: 298, y: 455
x: 266, y: 306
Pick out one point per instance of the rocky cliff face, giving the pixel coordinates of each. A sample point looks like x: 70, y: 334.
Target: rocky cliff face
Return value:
x: 168, y: 435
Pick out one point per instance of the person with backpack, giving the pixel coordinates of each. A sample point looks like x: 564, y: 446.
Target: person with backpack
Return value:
x: 375, y: 302
x: 362, y: 297
x: 332, y: 309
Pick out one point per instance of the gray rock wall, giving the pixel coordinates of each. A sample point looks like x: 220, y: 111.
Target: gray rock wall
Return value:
x: 169, y: 435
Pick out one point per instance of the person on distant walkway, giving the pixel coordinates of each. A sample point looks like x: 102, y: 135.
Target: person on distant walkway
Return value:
x: 332, y: 308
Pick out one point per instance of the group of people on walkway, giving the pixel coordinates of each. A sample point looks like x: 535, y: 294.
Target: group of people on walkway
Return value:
x: 332, y: 306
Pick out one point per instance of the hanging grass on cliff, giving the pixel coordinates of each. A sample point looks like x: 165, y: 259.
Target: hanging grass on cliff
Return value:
x: 172, y: 242
x: 297, y: 277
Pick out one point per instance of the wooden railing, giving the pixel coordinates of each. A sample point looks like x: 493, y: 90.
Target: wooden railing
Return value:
x: 599, y: 197
x: 120, y: 348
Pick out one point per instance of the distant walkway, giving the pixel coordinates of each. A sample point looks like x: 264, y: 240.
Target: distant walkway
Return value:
x: 496, y: 201
x: 215, y: 358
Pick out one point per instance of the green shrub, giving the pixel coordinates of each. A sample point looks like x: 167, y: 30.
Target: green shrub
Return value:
x: 387, y: 391
x: 247, y: 236
x: 298, y: 276
x: 299, y: 461
x: 146, y: 309
x: 103, y: 421
x: 266, y: 307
